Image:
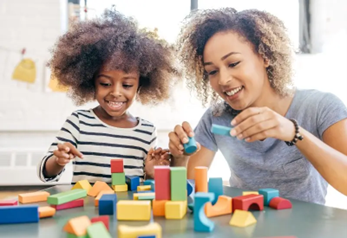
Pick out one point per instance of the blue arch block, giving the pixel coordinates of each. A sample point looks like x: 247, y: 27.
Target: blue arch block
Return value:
x: 201, y: 222
x: 215, y: 186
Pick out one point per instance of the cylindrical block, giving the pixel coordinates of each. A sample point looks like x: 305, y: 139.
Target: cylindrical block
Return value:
x: 190, y: 147
x: 201, y: 179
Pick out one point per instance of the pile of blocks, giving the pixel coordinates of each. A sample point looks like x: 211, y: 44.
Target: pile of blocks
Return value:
x: 118, y: 175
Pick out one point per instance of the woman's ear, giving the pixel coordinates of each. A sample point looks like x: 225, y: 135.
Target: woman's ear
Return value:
x: 266, y: 62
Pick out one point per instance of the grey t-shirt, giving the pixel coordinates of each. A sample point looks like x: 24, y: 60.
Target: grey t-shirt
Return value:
x: 271, y: 163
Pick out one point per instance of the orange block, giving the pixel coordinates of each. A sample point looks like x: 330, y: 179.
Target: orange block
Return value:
x: 222, y: 207
x: 96, y: 201
x: 78, y: 225
x: 201, y: 179
x: 40, y: 196
x: 159, y: 207
x: 99, y: 186
x: 46, y: 211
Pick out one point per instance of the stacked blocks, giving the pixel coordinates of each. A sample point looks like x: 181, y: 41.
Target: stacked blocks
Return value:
x: 108, y: 204
x: 162, y: 182
x: 268, y: 193
x: 118, y: 175
x: 68, y: 199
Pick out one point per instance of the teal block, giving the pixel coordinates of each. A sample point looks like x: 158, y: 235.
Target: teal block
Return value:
x: 178, y: 178
x: 191, y: 146
x: 148, y: 182
x: 268, y: 193
x: 67, y: 196
x: 201, y: 222
x: 118, y: 178
x: 215, y: 186
x: 221, y: 130
x: 98, y: 230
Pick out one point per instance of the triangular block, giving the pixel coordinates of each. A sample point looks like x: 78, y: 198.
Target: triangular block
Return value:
x: 242, y: 219
x: 98, y: 187
x: 82, y: 184
x: 78, y: 225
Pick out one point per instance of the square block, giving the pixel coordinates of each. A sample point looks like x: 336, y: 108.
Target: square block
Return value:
x: 118, y: 178
x: 117, y: 166
x: 133, y: 182
x: 175, y: 209
x: 108, y: 204
x: 268, y: 193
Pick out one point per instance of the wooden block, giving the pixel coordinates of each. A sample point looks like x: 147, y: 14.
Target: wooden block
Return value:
x: 69, y: 205
x: 191, y: 146
x: 10, y: 202
x: 118, y: 178
x: 133, y: 182
x: 178, y: 177
x: 97, y: 187
x: 137, y: 195
x: 215, y: 186
x: 201, y: 222
x: 117, y: 166
x: 82, y: 184
x: 201, y: 179
x: 103, y: 219
x: 242, y: 219
x: 222, y: 207
x: 175, y: 209
x: 268, y: 193
x: 125, y: 231
x: 190, y: 186
x: 280, y: 203
x: 78, y: 225
x: 46, y: 211
x: 19, y: 214
x: 108, y: 204
x: 249, y: 192
x: 158, y: 207
x: 251, y: 201
x: 98, y: 230
x: 162, y: 182
x: 96, y: 200
x: 40, y: 196
x: 66, y: 197
x: 69, y: 235
x: 120, y: 188
x: 134, y: 210
x: 144, y: 188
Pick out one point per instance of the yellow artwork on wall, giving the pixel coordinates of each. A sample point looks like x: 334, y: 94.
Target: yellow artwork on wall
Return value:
x: 55, y: 86
x: 25, y: 71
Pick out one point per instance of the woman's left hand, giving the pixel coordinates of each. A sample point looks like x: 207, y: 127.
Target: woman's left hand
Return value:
x: 259, y: 123
x: 155, y: 157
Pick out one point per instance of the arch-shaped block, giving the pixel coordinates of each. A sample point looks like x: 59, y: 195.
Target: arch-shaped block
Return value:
x: 251, y: 201
x: 222, y: 207
x: 201, y: 222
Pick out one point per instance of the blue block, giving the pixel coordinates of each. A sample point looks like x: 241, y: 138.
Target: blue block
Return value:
x: 221, y: 130
x: 215, y: 186
x: 190, y: 186
x: 108, y: 204
x: 201, y: 222
x: 268, y: 193
x: 19, y: 214
x: 146, y: 236
x: 148, y: 182
x: 133, y: 182
x: 191, y: 146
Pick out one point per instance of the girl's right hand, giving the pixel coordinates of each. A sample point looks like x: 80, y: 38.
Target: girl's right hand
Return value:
x: 178, y: 137
x: 65, y: 153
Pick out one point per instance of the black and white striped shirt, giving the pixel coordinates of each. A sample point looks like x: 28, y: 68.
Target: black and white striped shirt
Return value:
x: 99, y: 143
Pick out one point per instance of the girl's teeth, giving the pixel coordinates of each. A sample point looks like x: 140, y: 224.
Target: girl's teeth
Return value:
x: 233, y: 92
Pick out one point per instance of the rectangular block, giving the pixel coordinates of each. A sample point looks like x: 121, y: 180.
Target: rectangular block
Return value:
x: 19, y: 214
x: 133, y: 182
x: 117, y: 166
x: 107, y: 204
x: 69, y: 205
x: 148, y: 182
x: 120, y: 188
x: 158, y: 207
x: 103, y: 219
x: 40, y: 196
x: 136, y: 196
x: 175, y: 209
x: 67, y: 196
x: 144, y: 188
x: 134, y: 210
x: 46, y: 212
x: 178, y: 183
x: 221, y: 130
x: 98, y: 230
x: 118, y: 178
x: 96, y: 200
x: 125, y: 231
x: 215, y: 186
x: 11, y: 202
x: 162, y: 182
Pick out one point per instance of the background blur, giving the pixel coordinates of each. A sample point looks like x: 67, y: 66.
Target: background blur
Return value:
x: 32, y: 109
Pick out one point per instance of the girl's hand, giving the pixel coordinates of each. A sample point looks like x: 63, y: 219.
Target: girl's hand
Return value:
x: 65, y: 153
x: 259, y: 123
x: 156, y: 157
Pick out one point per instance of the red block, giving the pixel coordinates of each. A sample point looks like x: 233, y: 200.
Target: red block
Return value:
x: 68, y: 205
x: 11, y: 202
x: 251, y: 201
x: 104, y: 219
x: 117, y: 166
x: 280, y: 203
x: 162, y: 183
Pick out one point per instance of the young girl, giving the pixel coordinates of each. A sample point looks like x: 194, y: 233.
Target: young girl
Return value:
x: 111, y: 61
x: 281, y: 137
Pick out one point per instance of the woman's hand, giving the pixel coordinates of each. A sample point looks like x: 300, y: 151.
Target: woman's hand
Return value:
x: 155, y: 157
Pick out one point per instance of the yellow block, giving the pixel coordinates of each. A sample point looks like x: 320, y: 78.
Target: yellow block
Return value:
x: 40, y: 196
x: 96, y: 201
x: 175, y: 209
x: 130, y: 210
x: 120, y: 188
x: 137, y: 195
x: 249, y: 192
x: 242, y: 219
x: 144, y: 188
x: 125, y: 231
x: 82, y: 184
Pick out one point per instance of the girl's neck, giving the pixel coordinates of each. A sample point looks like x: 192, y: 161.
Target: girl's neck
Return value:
x: 124, y: 121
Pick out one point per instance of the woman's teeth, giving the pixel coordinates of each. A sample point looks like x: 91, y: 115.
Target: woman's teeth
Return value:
x: 234, y: 91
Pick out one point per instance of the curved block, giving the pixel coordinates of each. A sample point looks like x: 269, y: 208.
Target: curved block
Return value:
x: 280, y: 203
x: 242, y: 219
x: 222, y: 207
x: 268, y: 193
x: 215, y: 185
x: 125, y: 231
x: 190, y: 187
x: 251, y: 201
x: 201, y: 222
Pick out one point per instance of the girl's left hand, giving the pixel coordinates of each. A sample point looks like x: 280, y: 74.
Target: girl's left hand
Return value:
x: 155, y: 157
x: 259, y: 123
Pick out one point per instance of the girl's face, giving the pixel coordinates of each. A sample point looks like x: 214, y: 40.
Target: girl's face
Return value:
x: 115, y: 90
x: 235, y: 71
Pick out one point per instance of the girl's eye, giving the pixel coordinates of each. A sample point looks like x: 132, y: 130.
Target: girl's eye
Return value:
x: 127, y: 85
x: 105, y: 84
x: 234, y: 64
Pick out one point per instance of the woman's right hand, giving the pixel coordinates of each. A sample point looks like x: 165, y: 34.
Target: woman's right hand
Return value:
x: 65, y: 153
x: 178, y: 137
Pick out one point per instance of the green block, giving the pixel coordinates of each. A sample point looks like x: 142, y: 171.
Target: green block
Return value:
x: 118, y: 178
x: 67, y: 196
x: 178, y: 183
x: 98, y: 230
x: 149, y: 197
x: 69, y: 235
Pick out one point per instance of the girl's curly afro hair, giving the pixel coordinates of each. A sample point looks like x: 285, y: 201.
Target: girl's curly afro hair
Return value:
x: 264, y: 31
x: 117, y: 42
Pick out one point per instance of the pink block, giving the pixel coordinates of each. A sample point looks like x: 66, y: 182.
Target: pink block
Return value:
x: 11, y: 202
x: 162, y: 183
x: 68, y: 205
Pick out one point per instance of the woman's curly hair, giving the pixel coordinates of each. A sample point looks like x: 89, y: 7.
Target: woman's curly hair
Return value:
x: 117, y: 42
x: 264, y: 31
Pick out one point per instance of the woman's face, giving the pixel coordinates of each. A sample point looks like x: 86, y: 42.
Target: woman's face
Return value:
x: 235, y: 71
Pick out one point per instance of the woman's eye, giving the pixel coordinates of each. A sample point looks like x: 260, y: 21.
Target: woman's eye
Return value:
x: 212, y: 72
x: 234, y: 64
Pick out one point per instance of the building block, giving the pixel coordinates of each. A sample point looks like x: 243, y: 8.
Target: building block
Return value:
x: 191, y: 146
x: 96, y: 200
x: 46, y: 211
x: 144, y: 188
x: 223, y: 206
x: 158, y: 207
x: 10, y: 202
x: 69, y: 235
x: 221, y: 130
x: 82, y: 184
x: 215, y: 186
x: 242, y: 219
x: 148, y: 182
x: 40, y: 196
x: 97, y: 187
x: 150, y: 236
x: 268, y: 193
x: 66, y: 197
x: 146, y: 191
x: 125, y: 231
x: 117, y: 166
x: 251, y: 201
x: 249, y: 192
x: 280, y: 203
x: 120, y: 188
x: 98, y: 230
x: 108, y: 204
x: 148, y: 197
x: 137, y: 195
x: 134, y: 210
x: 175, y: 209
x: 201, y: 222
x: 133, y: 182
x: 103, y: 219
x: 118, y: 178
x: 178, y: 177
x: 190, y: 187
x: 69, y: 205
x: 19, y: 214
x: 201, y: 179
x: 162, y: 182
x: 78, y: 225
